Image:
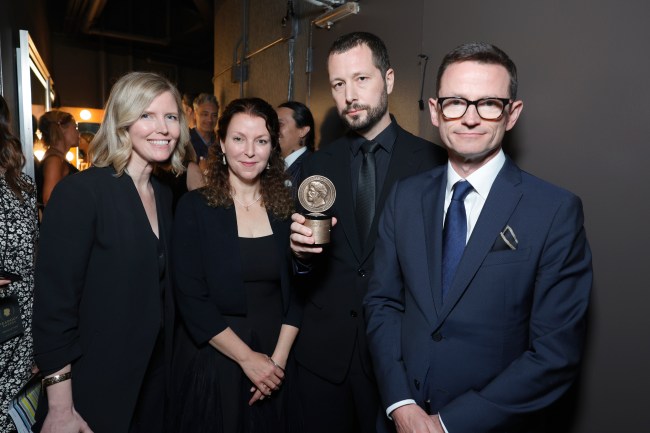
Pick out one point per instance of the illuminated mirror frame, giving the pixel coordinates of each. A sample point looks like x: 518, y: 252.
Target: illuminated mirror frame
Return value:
x: 30, y: 62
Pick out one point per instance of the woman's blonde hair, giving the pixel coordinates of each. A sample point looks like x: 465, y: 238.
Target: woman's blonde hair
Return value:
x: 129, y: 98
x: 50, y: 126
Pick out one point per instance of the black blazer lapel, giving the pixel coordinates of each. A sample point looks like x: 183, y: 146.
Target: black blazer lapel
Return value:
x: 344, y: 204
x: 403, y: 162
x: 501, y: 203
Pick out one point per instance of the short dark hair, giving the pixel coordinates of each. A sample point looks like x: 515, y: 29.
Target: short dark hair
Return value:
x: 481, y: 52
x: 275, y: 195
x: 204, y: 98
x: 352, y: 40
x: 303, y: 117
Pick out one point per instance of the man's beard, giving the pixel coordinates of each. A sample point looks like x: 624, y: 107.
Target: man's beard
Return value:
x: 373, y: 114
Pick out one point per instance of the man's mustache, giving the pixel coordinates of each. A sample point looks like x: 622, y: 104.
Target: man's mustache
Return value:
x: 355, y: 107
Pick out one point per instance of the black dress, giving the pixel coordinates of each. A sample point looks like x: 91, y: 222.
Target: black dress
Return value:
x: 216, y: 391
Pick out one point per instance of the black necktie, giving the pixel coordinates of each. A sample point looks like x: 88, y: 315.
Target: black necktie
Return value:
x: 366, y: 190
x: 454, y: 234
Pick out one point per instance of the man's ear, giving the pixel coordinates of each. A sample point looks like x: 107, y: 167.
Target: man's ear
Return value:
x: 433, y: 110
x: 304, y: 131
x: 390, y: 80
x: 513, y: 114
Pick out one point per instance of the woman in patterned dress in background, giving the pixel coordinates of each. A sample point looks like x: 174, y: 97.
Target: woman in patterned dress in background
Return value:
x: 18, y: 233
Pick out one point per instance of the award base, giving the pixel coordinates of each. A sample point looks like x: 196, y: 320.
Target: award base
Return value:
x: 320, y: 225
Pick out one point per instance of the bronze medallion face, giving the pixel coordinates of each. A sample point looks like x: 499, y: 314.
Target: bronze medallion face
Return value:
x: 316, y: 194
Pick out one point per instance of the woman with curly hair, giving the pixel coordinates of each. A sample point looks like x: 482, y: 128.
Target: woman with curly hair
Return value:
x: 232, y: 274
x: 18, y: 234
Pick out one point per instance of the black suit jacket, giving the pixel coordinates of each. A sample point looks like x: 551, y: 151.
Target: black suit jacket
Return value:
x: 207, y: 267
x: 334, y: 290
x: 98, y: 302
x: 295, y: 173
x: 200, y: 148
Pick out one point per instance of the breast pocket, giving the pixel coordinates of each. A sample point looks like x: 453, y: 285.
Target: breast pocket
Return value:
x: 505, y: 257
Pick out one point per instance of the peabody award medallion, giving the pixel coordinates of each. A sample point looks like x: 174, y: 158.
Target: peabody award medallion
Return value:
x: 317, y: 194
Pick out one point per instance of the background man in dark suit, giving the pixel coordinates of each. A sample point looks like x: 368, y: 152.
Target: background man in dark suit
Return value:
x: 338, y: 389
x: 487, y: 346
x: 206, y: 114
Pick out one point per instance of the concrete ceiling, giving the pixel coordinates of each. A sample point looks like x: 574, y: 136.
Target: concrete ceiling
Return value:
x: 166, y: 31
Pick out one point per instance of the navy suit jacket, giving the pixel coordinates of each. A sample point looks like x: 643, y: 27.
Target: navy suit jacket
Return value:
x: 508, y: 338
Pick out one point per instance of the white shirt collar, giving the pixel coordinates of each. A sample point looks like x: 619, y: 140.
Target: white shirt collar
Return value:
x: 293, y: 156
x: 482, y: 179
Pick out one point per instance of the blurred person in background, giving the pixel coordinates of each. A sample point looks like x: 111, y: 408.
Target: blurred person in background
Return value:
x: 296, y: 137
x: 18, y: 235
x: 206, y: 113
x: 84, y: 145
x: 60, y: 133
x: 188, y: 108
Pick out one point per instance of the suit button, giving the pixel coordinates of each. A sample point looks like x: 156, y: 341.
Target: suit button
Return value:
x: 353, y: 313
x: 436, y: 336
x: 417, y: 384
x: 362, y: 273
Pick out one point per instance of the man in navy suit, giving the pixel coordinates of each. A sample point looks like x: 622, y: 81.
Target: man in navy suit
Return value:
x: 503, y: 339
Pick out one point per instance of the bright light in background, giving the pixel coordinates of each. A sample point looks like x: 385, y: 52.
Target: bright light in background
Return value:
x: 39, y: 154
x: 69, y: 156
x: 85, y: 115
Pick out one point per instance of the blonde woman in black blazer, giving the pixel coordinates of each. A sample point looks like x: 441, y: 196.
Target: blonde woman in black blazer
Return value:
x: 232, y: 274
x: 103, y: 308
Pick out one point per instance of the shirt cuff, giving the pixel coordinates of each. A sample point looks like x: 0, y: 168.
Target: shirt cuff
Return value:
x: 442, y: 424
x: 394, y: 406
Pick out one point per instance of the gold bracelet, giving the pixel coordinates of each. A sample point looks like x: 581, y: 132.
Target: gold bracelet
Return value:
x: 56, y: 379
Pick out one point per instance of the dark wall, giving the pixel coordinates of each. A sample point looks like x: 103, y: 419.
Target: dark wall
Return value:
x: 583, y: 72
x: 85, y: 72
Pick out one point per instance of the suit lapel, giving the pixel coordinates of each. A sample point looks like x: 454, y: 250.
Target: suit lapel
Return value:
x: 501, y: 203
x: 402, y: 163
x: 433, y: 201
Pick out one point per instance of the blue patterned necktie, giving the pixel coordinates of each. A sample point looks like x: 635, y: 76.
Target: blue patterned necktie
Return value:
x: 454, y: 234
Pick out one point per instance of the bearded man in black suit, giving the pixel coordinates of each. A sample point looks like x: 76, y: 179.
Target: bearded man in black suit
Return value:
x: 335, y: 375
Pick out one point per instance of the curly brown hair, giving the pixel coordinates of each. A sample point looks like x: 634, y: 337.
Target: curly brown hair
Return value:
x: 276, y: 196
x: 12, y: 158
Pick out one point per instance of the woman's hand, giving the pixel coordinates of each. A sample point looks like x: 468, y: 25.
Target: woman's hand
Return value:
x: 265, y: 375
x: 4, y: 282
x: 64, y: 421
x: 258, y: 367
